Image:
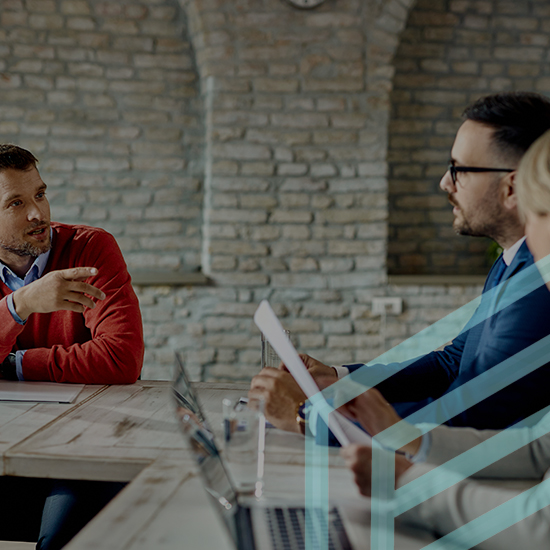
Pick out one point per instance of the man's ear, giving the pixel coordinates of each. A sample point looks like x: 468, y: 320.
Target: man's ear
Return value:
x: 508, y: 190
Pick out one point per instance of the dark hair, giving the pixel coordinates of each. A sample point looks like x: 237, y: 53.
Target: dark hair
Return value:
x: 518, y: 119
x: 12, y: 156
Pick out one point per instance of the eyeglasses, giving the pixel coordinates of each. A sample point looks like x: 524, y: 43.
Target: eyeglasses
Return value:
x: 454, y: 170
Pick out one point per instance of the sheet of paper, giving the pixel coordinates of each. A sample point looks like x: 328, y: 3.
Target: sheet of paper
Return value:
x: 39, y: 392
x: 345, y: 431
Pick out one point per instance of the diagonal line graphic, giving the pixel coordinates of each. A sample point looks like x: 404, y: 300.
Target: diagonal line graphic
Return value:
x: 386, y: 502
x: 493, y: 522
x: 475, y: 459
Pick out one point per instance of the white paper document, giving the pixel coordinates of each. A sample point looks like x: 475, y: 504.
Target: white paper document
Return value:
x: 345, y: 431
x: 39, y: 392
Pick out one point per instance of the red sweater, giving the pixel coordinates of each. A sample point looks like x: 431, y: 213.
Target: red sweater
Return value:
x: 103, y: 345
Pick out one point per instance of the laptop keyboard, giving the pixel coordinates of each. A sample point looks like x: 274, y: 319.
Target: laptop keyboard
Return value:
x: 288, y: 528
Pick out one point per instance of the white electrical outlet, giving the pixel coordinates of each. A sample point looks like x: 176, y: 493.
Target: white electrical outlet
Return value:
x: 390, y: 306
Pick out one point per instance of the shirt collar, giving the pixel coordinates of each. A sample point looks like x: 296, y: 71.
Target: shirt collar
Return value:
x: 509, y: 254
x: 35, y: 271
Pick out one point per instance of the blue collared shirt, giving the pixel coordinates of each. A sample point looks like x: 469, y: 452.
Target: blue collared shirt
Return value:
x: 13, y: 282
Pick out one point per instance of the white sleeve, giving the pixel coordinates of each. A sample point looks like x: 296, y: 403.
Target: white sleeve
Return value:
x: 530, y: 461
x: 467, y: 500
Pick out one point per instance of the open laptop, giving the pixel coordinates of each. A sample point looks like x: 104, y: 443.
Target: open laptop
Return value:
x: 252, y: 524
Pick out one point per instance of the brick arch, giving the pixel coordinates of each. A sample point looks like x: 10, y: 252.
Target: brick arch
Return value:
x: 383, y: 38
x: 294, y: 215
x: 217, y: 63
x: 204, y: 21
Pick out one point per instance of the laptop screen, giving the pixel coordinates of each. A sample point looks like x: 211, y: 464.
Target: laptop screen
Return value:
x: 205, y: 451
x: 184, y: 394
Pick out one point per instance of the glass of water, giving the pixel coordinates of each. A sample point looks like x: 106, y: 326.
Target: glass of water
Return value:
x: 269, y: 357
x: 244, y: 443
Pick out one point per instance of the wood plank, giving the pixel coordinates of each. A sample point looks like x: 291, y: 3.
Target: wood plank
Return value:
x: 95, y: 441
x: 10, y: 545
x: 164, y: 507
x: 130, y: 432
x: 19, y: 421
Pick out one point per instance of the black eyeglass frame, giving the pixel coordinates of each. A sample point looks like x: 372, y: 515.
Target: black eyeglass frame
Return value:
x: 454, y: 170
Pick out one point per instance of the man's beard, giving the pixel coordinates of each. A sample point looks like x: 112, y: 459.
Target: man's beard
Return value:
x: 489, y: 226
x: 26, y: 249
x: 464, y: 228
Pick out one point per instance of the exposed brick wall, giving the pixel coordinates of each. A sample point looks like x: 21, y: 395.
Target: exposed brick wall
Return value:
x: 214, y: 328
x: 106, y: 96
x: 451, y: 53
x: 297, y: 104
x: 296, y: 196
x: 242, y: 135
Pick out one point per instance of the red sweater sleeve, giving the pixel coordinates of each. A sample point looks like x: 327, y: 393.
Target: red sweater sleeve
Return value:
x: 111, y: 343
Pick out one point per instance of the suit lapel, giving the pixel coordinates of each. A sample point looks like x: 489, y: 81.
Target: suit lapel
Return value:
x: 522, y: 258
x: 478, y: 333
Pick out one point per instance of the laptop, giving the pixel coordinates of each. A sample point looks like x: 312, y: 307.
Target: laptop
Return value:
x: 252, y: 524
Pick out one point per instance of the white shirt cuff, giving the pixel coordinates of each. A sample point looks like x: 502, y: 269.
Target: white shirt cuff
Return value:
x: 424, y: 449
x: 341, y: 371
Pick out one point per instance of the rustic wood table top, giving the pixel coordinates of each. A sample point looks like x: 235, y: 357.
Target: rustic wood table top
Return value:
x: 129, y: 433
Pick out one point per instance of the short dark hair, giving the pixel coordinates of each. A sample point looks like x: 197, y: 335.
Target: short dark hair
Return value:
x: 518, y: 119
x: 13, y: 156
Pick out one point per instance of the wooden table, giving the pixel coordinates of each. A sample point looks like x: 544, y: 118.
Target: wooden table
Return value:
x: 113, y: 432
x: 125, y: 433
x: 166, y: 508
x: 109, y: 435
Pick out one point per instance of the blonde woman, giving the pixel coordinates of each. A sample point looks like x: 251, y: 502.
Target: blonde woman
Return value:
x: 533, y: 191
x: 469, y: 499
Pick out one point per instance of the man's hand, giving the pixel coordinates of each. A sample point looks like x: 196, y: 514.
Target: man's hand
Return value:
x: 318, y: 369
x: 375, y: 415
x: 359, y: 460
x: 58, y: 290
x: 282, y: 396
x: 315, y: 368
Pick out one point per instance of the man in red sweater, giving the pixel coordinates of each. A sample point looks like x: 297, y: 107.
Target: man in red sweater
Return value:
x: 68, y: 314
x: 67, y: 309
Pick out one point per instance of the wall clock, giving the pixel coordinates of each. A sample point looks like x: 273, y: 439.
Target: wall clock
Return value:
x: 305, y: 4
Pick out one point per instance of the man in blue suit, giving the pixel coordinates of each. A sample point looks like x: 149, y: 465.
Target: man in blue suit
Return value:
x: 496, y: 132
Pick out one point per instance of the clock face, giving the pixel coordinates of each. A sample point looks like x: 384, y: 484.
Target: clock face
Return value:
x: 306, y: 4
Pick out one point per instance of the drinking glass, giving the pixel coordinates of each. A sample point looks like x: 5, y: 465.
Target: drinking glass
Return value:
x: 244, y: 443
x: 269, y: 357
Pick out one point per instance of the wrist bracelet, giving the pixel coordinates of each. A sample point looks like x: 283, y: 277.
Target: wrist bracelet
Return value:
x: 301, y: 417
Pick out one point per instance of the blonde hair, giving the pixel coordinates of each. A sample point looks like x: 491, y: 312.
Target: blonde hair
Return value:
x: 533, y: 178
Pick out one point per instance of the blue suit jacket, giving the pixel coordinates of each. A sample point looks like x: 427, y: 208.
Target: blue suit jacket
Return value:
x: 473, y: 352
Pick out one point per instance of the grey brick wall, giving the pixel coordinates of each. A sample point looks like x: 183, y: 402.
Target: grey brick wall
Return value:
x: 106, y: 94
x: 244, y: 136
x: 451, y: 53
x: 296, y: 190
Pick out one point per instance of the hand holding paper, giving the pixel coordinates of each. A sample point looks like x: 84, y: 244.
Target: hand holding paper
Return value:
x: 345, y: 431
